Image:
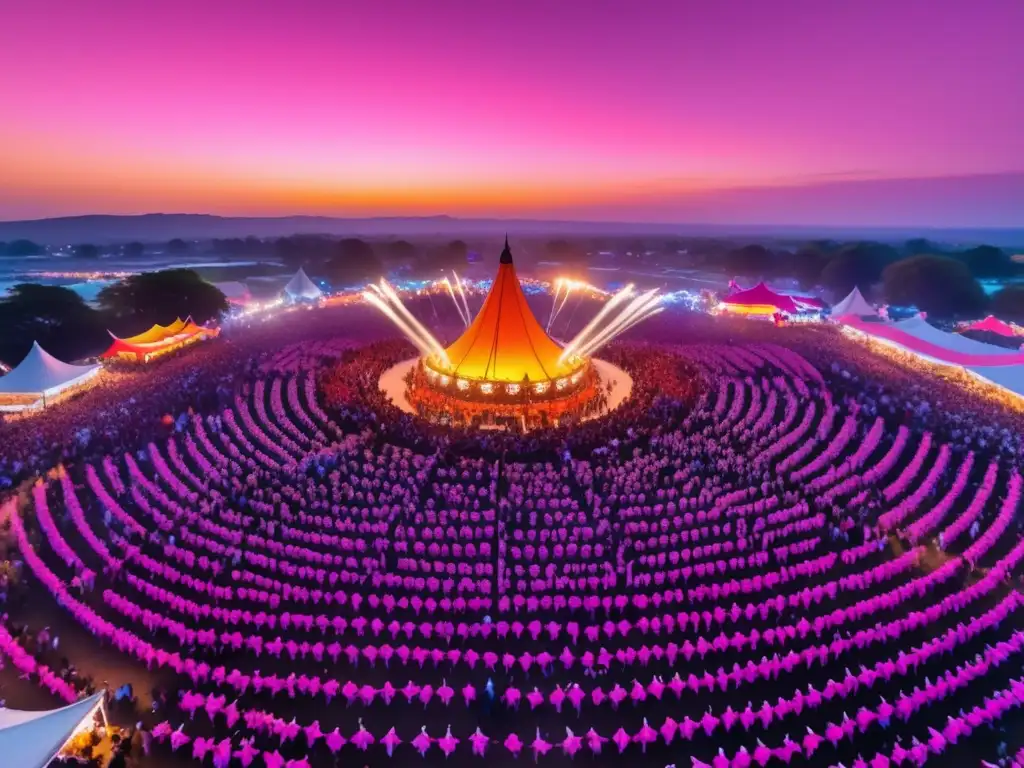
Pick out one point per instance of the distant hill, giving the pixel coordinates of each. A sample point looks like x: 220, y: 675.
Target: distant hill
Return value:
x: 160, y: 227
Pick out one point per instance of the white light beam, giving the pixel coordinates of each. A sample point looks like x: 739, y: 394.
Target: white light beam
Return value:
x: 589, y: 328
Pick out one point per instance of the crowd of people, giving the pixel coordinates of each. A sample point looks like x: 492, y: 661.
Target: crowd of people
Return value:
x: 720, y: 568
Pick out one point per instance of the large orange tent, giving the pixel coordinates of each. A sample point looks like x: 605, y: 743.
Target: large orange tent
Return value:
x: 505, y: 343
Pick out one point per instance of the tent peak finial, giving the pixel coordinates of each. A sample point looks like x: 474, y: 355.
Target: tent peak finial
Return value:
x: 506, y: 254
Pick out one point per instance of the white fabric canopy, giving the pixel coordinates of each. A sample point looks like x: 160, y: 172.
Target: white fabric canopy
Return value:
x: 235, y: 291
x: 300, y: 287
x: 855, y: 304
x: 925, y: 331
x: 32, y: 739
x: 980, y: 360
x: 40, y: 373
x: 1009, y: 377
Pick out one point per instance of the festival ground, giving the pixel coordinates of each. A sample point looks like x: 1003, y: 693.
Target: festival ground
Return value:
x: 788, y: 472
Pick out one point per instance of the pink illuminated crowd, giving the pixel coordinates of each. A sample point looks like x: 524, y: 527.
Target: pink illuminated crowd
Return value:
x: 775, y: 553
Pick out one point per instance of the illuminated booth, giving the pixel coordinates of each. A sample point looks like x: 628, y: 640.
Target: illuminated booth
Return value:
x: 759, y: 301
x: 40, y: 379
x: 158, y: 340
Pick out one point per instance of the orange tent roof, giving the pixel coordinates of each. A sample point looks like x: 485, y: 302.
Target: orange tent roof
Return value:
x: 505, y: 343
x: 157, y: 333
x: 151, y: 341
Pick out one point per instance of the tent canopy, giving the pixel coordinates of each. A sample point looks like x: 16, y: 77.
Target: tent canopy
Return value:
x: 301, y: 288
x: 993, y: 325
x: 505, y: 342
x: 42, y: 374
x: 156, y: 333
x: 760, y: 296
x: 185, y: 333
x: 916, y: 335
x: 855, y: 304
x: 997, y: 365
x: 921, y: 329
x: 32, y: 739
x: 235, y: 291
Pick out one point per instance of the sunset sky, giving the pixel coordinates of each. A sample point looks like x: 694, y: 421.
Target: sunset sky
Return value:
x: 732, y: 111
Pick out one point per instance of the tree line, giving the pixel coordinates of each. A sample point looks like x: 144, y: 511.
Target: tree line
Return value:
x: 68, y: 327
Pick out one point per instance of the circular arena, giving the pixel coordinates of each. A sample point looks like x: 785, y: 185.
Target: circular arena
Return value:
x: 779, y: 549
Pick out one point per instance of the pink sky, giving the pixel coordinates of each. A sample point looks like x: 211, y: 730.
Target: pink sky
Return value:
x: 665, y: 110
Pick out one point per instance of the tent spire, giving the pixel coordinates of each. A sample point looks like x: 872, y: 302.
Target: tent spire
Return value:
x: 506, y: 254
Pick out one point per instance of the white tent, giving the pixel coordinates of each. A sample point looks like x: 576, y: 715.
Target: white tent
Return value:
x: 1009, y: 377
x: 301, y: 288
x: 855, y: 304
x: 42, y: 375
x: 1001, y: 367
x: 235, y: 292
x: 33, y: 739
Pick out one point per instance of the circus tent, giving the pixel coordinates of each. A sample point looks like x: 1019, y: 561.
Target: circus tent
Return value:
x: 38, y: 377
x: 33, y: 739
x: 854, y: 304
x: 158, y: 340
x: 301, y: 288
x: 759, y: 300
x: 505, y: 343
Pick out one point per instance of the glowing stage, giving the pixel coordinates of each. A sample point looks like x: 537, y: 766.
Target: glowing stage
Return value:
x: 393, y: 385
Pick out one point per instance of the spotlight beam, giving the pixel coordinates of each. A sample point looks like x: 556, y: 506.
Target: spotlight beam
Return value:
x: 636, y: 308
x: 411, y: 320
x: 462, y: 293
x: 554, y: 303
x: 381, y: 295
x: 458, y: 306
x: 419, y: 343
x: 581, y: 337
x: 635, y: 321
x: 569, y: 285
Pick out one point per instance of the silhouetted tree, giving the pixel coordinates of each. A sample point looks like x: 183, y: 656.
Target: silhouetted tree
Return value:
x: 87, y: 251
x: 808, y: 263
x: 749, y: 261
x: 1008, y: 303
x: 988, y: 261
x: 938, y: 285
x: 159, y: 297
x: 442, y: 258
x: 565, y: 252
x: 400, y: 251
x: 920, y: 246
x: 56, y: 317
x: 459, y: 250
x: 856, y: 265
x: 23, y: 248
x: 134, y: 250
x: 177, y: 245
x: 353, y: 262
x: 305, y: 250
